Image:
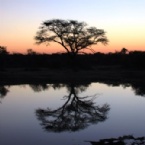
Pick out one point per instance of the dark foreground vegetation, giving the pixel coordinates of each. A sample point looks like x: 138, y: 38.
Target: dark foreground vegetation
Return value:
x: 132, y: 60
x: 33, y: 67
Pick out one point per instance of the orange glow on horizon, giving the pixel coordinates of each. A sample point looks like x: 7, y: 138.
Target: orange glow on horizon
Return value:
x: 123, y: 22
x: 22, y: 38
x: 130, y: 38
x: 19, y: 48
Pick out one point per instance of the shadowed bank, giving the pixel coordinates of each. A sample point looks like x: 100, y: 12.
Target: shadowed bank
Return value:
x: 122, y: 140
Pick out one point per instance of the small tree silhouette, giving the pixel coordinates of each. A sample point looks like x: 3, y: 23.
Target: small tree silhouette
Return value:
x: 3, y: 50
x: 123, y: 51
x: 31, y: 52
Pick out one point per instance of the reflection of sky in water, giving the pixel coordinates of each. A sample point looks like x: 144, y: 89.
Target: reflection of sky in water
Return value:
x: 19, y: 125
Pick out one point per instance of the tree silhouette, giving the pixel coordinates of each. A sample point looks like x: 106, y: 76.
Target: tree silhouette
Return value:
x: 72, y: 35
x: 3, y: 50
x: 75, y: 114
x: 31, y: 52
x: 123, y: 51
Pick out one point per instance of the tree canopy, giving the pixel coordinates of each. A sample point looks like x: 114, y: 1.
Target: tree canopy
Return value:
x: 72, y: 35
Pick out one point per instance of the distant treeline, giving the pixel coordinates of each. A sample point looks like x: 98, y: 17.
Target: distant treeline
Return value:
x: 133, y: 59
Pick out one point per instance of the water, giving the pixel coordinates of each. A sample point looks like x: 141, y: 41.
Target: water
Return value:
x: 70, y: 114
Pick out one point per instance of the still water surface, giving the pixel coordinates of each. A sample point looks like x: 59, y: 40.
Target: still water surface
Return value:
x: 69, y: 114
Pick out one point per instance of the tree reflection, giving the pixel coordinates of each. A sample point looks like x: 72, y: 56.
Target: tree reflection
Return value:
x: 137, y: 86
x: 75, y: 114
x: 3, y: 92
x: 43, y: 87
x: 39, y: 87
x: 124, y: 140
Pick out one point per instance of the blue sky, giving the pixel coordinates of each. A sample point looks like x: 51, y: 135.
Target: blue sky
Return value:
x: 123, y: 20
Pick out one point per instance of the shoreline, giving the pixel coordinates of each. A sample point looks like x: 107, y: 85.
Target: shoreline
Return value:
x: 10, y: 76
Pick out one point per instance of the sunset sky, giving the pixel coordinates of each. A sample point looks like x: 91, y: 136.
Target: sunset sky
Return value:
x: 123, y: 20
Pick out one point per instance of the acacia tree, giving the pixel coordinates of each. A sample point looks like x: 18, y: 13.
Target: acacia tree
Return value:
x: 72, y: 35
